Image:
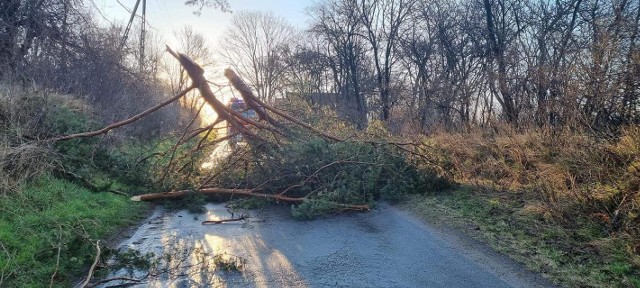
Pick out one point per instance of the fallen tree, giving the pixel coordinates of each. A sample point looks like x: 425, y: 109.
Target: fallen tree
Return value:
x: 239, y: 192
x: 286, y: 159
x: 212, y: 191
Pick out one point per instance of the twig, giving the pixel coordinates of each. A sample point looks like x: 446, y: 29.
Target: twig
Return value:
x: 228, y: 164
x: 201, y: 130
x: 237, y: 82
x: 116, y: 279
x: 53, y: 276
x: 178, y: 143
x: 93, y: 266
x: 123, y: 122
x: 210, y: 222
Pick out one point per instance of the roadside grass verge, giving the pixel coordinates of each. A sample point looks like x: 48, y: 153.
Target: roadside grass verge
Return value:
x: 57, y: 200
x: 48, y: 231
x: 564, y: 203
x: 583, y: 256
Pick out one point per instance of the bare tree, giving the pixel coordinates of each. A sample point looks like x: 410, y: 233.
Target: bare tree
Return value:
x: 198, y: 47
x: 503, y: 27
x: 222, y: 5
x: 253, y: 45
x: 23, y: 23
x: 309, y: 68
x: 545, y: 62
x: 338, y: 24
x: 382, y: 21
x: 194, y: 44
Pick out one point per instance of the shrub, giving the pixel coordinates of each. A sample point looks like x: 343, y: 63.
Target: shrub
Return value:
x: 576, y: 174
x: 28, y: 115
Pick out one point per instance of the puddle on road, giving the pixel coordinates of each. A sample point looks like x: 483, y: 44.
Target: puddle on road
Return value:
x: 189, y: 254
x: 382, y: 248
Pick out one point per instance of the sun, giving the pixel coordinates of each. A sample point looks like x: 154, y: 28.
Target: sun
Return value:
x: 208, y: 115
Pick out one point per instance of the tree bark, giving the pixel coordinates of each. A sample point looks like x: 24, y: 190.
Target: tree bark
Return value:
x: 242, y: 192
x: 123, y: 122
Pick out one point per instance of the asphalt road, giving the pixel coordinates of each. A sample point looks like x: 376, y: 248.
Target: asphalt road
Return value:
x: 386, y: 247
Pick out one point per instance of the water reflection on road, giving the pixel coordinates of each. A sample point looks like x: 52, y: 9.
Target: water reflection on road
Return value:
x: 381, y: 248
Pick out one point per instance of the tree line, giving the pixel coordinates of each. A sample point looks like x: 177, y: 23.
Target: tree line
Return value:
x: 70, y: 47
x: 413, y: 64
x: 453, y: 63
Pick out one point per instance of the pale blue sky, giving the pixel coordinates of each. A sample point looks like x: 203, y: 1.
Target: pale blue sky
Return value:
x: 166, y: 16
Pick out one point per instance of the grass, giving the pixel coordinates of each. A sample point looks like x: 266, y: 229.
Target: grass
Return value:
x: 55, y: 198
x: 50, y: 215
x: 564, y: 202
x: 577, y: 255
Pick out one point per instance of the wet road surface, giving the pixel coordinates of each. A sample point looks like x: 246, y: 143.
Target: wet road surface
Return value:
x: 386, y: 247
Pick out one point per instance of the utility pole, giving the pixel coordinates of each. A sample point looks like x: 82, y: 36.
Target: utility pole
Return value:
x: 143, y: 29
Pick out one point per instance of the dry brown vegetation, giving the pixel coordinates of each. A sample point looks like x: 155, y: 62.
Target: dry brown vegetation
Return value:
x: 566, y: 203
x: 27, y: 115
x: 569, y: 173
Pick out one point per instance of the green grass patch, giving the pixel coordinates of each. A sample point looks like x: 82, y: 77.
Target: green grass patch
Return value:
x: 50, y: 217
x: 578, y: 254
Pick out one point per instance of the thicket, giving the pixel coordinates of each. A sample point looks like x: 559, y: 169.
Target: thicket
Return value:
x: 329, y: 175
x: 565, y: 202
x: 28, y: 117
x: 57, y: 199
x: 569, y: 173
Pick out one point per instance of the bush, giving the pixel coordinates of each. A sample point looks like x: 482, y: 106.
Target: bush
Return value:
x: 28, y: 115
x: 571, y: 172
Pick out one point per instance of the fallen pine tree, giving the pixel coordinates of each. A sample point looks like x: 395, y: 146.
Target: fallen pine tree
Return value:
x: 239, y: 192
x: 287, y: 159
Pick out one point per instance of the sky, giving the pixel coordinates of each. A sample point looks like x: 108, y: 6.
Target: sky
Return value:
x: 166, y: 16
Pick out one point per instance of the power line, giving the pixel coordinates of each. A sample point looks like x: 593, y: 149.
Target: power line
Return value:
x: 100, y: 12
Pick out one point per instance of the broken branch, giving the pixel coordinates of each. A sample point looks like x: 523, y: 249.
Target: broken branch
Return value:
x: 235, y: 119
x: 251, y: 99
x: 123, y: 122
x: 243, y: 192
x: 93, y: 266
x: 212, y: 191
x: 209, y: 222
